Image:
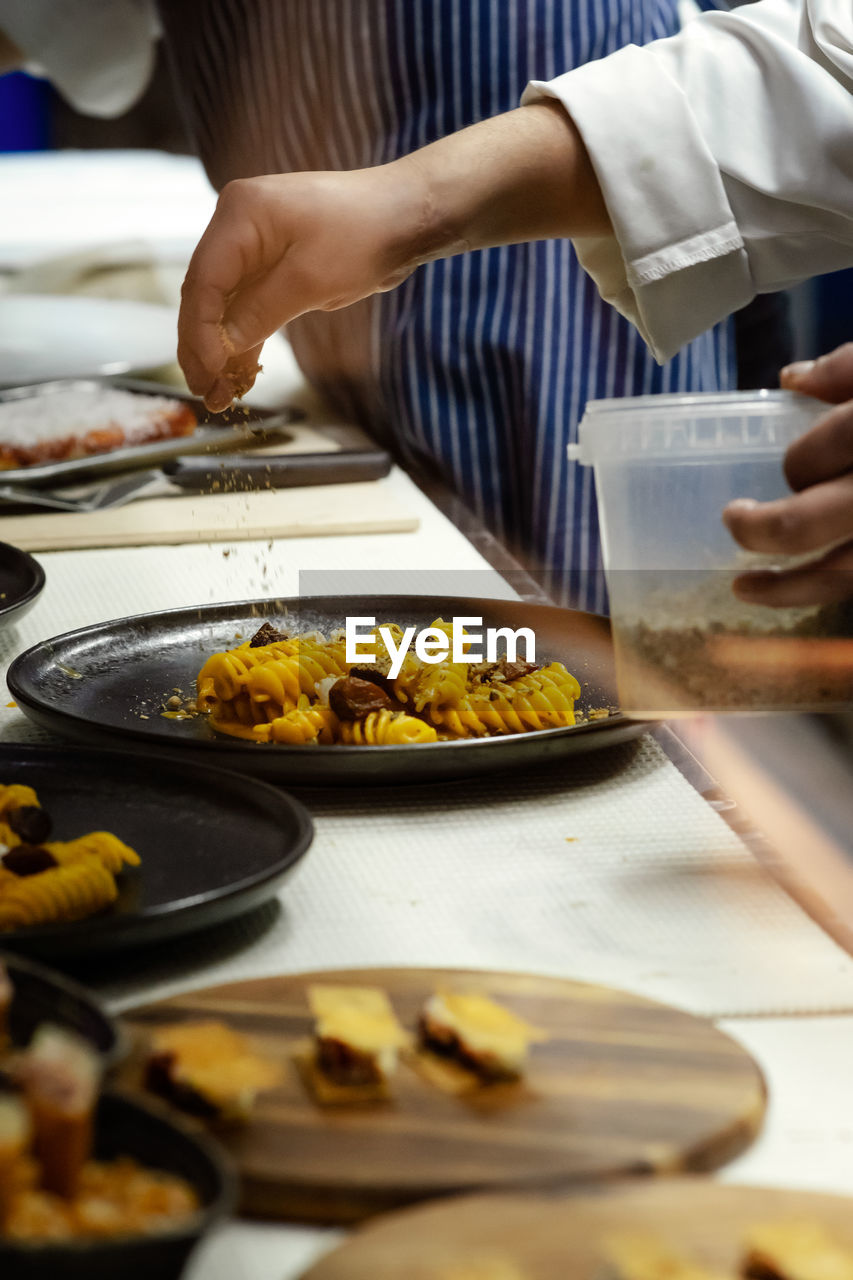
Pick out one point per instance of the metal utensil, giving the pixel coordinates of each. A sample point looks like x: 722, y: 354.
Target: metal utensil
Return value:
x: 113, y: 494
x: 232, y: 473
x: 229, y: 473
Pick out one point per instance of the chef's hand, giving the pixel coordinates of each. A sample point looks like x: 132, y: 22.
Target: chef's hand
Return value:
x: 282, y: 245
x: 819, y: 468
x: 279, y: 246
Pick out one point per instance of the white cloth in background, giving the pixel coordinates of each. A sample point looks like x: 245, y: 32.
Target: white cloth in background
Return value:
x: 98, y: 53
x: 725, y: 156
x: 116, y: 207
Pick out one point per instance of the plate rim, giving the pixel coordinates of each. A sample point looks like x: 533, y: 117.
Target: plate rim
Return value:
x: 221, y: 1204
x: 101, y: 929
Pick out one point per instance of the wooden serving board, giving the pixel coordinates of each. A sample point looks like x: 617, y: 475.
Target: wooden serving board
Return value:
x: 560, y: 1238
x: 623, y: 1086
x: 365, y: 507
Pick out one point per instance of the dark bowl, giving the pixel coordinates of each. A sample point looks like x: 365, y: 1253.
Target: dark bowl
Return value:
x: 21, y: 583
x: 126, y: 1128
x: 40, y: 996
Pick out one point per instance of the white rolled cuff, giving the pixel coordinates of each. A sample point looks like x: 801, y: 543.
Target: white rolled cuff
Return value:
x: 665, y: 196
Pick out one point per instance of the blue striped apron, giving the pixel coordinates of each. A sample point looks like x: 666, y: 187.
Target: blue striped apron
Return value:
x: 480, y: 365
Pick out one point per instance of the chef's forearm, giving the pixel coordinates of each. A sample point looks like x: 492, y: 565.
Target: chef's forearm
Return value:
x: 525, y: 175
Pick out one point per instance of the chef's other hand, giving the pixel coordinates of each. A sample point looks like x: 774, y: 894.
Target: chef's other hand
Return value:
x: 281, y: 245
x: 819, y: 468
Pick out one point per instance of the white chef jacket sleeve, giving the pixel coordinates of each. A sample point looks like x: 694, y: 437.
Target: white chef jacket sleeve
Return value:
x: 725, y: 157
x: 99, y: 54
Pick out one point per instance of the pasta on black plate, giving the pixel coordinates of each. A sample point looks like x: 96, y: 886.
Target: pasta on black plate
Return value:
x: 45, y: 881
x: 301, y: 689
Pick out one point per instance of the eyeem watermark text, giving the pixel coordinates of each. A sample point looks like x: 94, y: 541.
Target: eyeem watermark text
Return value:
x: 470, y: 643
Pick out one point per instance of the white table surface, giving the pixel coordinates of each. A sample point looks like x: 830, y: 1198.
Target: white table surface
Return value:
x: 701, y: 925
x: 809, y: 1132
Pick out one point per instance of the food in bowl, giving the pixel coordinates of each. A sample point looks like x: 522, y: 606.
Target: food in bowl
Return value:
x: 51, y: 1189
x: 700, y: 648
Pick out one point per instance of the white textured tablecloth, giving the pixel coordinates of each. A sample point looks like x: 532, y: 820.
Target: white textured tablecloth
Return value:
x: 609, y: 867
x: 148, y: 204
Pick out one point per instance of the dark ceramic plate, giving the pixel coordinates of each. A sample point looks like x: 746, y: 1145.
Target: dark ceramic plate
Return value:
x: 39, y: 995
x: 213, y: 844
x: 21, y: 582
x: 107, y: 684
x: 147, y: 1135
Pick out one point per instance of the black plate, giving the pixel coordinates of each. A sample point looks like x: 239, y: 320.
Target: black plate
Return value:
x: 213, y: 844
x: 124, y: 1127
x: 39, y: 995
x: 21, y: 582
x: 99, y: 683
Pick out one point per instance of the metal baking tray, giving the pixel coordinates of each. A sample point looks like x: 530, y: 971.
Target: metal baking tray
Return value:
x: 236, y: 427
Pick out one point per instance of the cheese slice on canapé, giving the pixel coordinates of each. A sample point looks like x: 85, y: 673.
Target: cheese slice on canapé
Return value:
x: 357, y: 1033
x: 478, y: 1032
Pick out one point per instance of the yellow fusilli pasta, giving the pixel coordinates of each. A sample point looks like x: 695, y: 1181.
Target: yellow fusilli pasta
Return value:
x: 299, y: 690
x: 269, y: 676
x: 304, y: 723
x: 103, y: 846
x: 543, y: 700
x: 61, y: 893
x: 17, y: 796
x: 382, y: 728
x: 55, y: 880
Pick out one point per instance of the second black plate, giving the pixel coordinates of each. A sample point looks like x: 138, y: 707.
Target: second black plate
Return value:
x: 213, y: 844
x: 108, y: 684
x: 21, y: 582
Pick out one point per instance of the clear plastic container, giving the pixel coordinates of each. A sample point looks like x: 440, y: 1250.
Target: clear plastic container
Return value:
x: 665, y: 467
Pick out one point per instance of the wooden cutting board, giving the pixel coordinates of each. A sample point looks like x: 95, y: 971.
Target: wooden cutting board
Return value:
x: 366, y: 507
x: 622, y: 1086
x: 560, y: 1238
